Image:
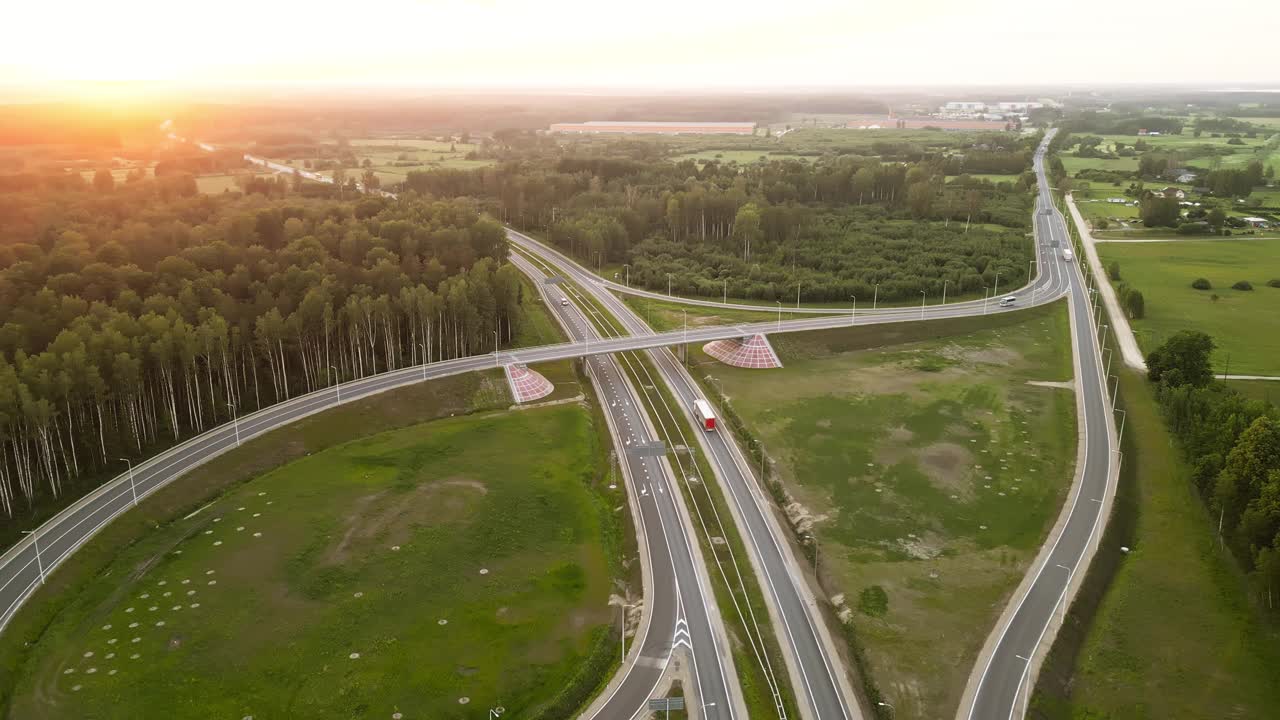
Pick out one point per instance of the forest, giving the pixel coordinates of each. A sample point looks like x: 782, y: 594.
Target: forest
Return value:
x: 836, y: 224
x: 133, y: 315
x: 1233, y: 446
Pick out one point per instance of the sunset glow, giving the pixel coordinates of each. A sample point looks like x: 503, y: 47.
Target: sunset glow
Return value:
x: 661, y: 43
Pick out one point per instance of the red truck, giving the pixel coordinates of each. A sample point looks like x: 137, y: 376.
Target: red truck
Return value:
x: 705, y: 415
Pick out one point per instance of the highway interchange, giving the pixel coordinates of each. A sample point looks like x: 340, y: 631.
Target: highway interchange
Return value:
x: 678, y: 608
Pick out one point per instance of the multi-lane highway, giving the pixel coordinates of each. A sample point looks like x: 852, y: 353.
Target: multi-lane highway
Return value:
x: 678, y: 601
x: 998, y: 690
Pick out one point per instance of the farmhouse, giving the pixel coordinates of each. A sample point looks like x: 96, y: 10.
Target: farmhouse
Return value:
x: 664, y: 128
x: 1256, y: 222
x: 1173, y: 192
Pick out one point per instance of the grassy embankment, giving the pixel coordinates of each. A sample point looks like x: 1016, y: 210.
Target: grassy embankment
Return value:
x: 928, y: 469
x: 1244, y: 323
x: 413, y: 571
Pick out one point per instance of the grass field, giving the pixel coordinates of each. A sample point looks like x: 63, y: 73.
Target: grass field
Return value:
x: 213, y: 184
x: 929, y: 469
x: 990, y: 177
x: 1174, y: 635
x: 1268, y: 390
x: 400, y: 572
x: 1245, y: 324
x: 663, y: 316
x: 394, y: 158
x: 742, y: 157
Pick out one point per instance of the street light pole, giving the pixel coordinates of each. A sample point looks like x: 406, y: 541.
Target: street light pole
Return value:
x: 985, y: 289
x: 944, y: 291
x: 996, y: 291
x: 338, y: 386
x: 853, y: 313
x: 922, y: 299
x: 726, y: 291
x: 133, y: 488
x: 423, y: 346
x: 875, y: 298
x: 668, y: 284
x: 628, y: 268
x: 235, y: 422
x: 35, y: 541
x: 797, y: 294
x: 779, y: 315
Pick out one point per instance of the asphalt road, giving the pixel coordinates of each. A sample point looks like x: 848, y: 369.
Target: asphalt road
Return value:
x: 679, y: 606
x: 1004, y: 682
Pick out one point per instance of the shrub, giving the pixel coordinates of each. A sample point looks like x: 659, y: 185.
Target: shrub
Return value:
x: 1201, y: 284
x: 873, y: 601
x: 1214, y: 297
x: 1113, y: 270
x: 1242, y: 285
x: 1275, y: 283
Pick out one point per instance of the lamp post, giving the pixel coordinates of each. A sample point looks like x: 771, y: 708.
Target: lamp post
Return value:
x: 779, y: 315
x: 875, y: 298
x: 668, y: 284
x: 685, y: 316
x: 797, y: 294
x: 628, y: 269
x: 726, y: 291
x: 996, y: 290
x: 495, y: 342
x: 944, y: 291
x: 35, y: 540
x: 922, y: 299
x: 423, y: 346
x: 235, y: 422
x: 337, y: 387
x: 985, y: 289
x: 132, y: 487
x: 853, y: 312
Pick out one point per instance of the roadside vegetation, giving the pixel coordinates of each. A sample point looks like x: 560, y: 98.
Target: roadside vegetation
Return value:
x: 927, y: 468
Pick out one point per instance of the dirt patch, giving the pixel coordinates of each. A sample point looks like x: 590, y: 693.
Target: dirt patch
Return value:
x: 824, y: 424
x: 946, y: 464
x: 895, y: 447
x: 993, y: 356
x: 391, y: 518
x: 1068, y: 385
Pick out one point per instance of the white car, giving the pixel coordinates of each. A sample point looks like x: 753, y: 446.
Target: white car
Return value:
x: 564, y: 301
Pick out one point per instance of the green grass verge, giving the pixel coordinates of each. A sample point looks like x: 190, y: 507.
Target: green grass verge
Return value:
x: 1244, y: 324
x: 929, y: 471
x: 350, y: 558
x: 1167, y: 630
x: 663, y: 316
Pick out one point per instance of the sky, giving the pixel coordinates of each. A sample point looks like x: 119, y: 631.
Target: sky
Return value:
x: 657, y: 44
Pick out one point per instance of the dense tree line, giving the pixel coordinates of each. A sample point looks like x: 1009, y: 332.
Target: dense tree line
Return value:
x: 798, y: 221
x: 1233, y: 444
x: 132, y: 317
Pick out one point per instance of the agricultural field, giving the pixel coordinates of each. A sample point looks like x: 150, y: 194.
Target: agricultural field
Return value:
x: 392, y: 159
x: 412, y: 571
x: 996, y: 178
x: 213, y: 184
x: 1162, y: 644
x: 929, y: 467
x: 742, y: 157
x: 1244, y: 323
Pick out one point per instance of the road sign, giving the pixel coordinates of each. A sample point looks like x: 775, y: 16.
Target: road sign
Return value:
x: 672, y: 703
x: 649, y: 449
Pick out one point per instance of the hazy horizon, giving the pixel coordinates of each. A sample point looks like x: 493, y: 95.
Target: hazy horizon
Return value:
x: 144, y: 46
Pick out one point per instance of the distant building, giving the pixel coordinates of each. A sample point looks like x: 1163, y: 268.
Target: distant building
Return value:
x: 663, y: 128
x: 964, y: 107
x: 1173, y: 192
x: 1256, y: 222
x: 1019, y: 106
x: 1186, y: 178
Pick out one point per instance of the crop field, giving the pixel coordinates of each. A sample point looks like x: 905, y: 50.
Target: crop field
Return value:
x: 996, y: 178
x: 1244, y: 323
x: 742, y: 157
x: 415, y: 571
x: 928, y: 467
